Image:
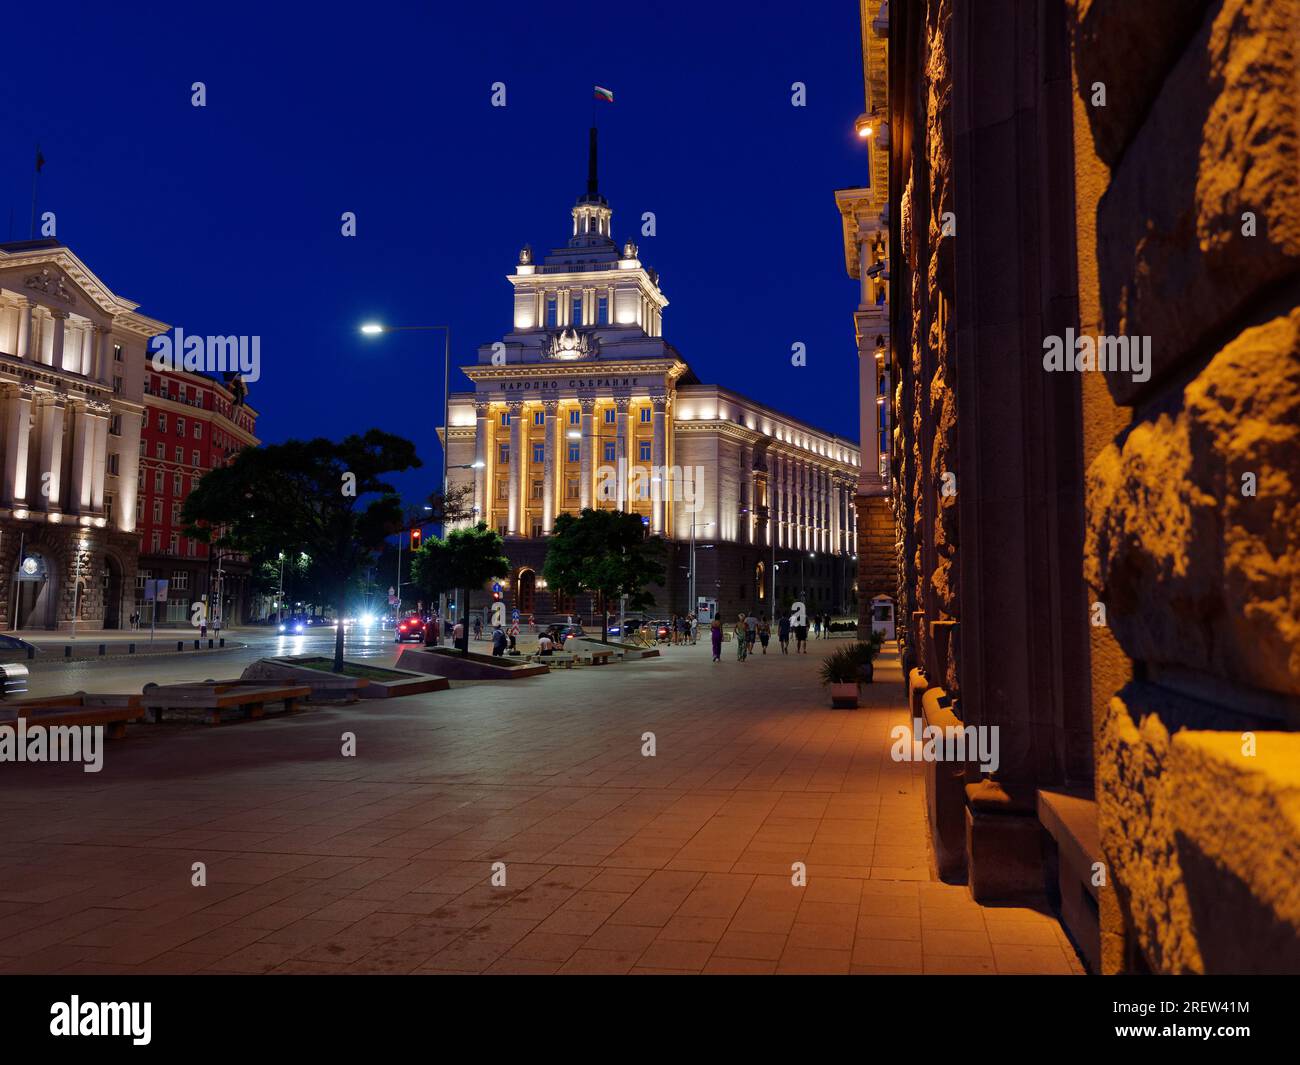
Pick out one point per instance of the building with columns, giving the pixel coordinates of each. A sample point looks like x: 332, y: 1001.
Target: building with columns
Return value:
x: 583, y: 403
x: 864, y: 223
x: 72, y: 354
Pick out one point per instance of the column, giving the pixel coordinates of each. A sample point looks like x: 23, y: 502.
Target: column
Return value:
x: 621, y: 404
x: 481, y: 412
x: 16, y: 443
x: 516, y: 409
x: 99, y: 461
x: 50, y: 421
x: 659, y: 458
x: 82, y: 453
x: 588, y: 406
x: 88, y: 350
x: 551, y: 407
x: 105, y: 375
x: 60, y: 331
x: 746, y: 494
x: 24, y: 344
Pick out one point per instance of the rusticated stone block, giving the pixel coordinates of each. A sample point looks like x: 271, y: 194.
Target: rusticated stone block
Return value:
x: 1197, y: 830
x: 1129, y: 48
x: 1192, y: 571
x: 1221, y: 139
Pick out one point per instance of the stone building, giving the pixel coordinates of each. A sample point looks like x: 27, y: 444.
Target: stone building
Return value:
x: 585, y: 404
x: 1095, y: 360
x: 864, y: 219
x: 71, y: 364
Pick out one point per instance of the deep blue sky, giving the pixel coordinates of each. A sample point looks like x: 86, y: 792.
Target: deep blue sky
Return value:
x: 226, y: 219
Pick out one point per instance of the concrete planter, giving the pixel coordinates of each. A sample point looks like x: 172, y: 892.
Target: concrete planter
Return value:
x: 844, y: 696
x: 325, y: 687
x: 444, y: 662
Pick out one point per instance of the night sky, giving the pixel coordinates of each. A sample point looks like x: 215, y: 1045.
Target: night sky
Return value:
x: 226, y: 219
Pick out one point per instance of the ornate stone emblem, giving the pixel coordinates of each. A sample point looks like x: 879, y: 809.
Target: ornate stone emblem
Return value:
x: 52, y: 284
x: 568, y: 344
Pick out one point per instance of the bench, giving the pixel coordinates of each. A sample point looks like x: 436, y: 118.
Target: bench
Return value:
x: 114, y: 712
x: 215, y: 697
x: 598, y: 658
x: 554, y: 659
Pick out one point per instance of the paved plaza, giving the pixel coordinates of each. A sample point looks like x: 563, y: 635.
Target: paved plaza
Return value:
x: 614, y: 861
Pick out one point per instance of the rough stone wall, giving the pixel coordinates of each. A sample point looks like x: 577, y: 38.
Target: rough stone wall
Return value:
x: 876, y: 549
x: 1193, y: 516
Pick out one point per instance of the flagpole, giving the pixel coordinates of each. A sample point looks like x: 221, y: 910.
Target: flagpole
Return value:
x: 36, y: 173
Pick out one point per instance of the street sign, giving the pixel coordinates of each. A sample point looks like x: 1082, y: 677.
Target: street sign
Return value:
x: 514, y: 614
x: 496, y: 587
x: 155, y: 591
x: 392, y: 600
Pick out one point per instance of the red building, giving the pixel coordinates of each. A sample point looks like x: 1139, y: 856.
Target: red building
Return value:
x: 192, y: 424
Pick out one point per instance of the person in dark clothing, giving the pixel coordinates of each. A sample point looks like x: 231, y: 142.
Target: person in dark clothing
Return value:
x: 783, y: 634
x: 498, y: 641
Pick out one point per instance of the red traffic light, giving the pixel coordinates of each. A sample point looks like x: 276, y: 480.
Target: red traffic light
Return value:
x: 415, y: 539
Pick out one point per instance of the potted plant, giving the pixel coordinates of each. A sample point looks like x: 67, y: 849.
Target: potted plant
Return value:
x: 839, y: 671
x: 864, y: 654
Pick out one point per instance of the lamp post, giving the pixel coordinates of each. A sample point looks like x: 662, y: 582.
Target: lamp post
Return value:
x: 374, y: 329
x: 690, y: 603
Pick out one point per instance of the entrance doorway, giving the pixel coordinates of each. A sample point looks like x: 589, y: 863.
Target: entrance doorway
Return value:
x: 34, y: 593
x: 527, y: 591
x: 112, y: 589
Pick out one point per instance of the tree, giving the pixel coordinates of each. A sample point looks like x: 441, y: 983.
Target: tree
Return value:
x: 605, y: 552
x: 325, y: 498
x: 467, y: 558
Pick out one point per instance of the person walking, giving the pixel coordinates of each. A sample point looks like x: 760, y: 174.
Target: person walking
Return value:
x: 742, y: 638
x: 764, y: 633
x: 498, y: 641
x: 751, y: 633
x: 783, y: 633
x: 801, y: 636
x: 817, y: 626
x: 715, y: 634
x: 478, y: 627
x: 695, y: 628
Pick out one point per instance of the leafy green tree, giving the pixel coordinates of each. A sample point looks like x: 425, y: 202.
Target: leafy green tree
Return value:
x: 467, y: 558
x: 605, y: 552
x: 324, y: 498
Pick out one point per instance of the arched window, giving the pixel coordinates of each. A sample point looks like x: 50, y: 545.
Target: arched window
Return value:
x: 759, y: 583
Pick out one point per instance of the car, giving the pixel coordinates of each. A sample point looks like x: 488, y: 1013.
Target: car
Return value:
x: 293, y: 625
x: 12, y: 649
x: 565, y: 632
x: 411, y: 627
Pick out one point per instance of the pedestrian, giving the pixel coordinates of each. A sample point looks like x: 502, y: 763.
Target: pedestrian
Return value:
x: 751, y: 633
x: 801, y: 636
x: 715, y: 634
x: 478, y: 628
x: 545, y: 645
x: 817, y: 625
x: 458, y: 635
x: 783, y: 634
x: 693, y: 623
x: 498, y: 641
x: 742, y: 638
x: 764, y: 633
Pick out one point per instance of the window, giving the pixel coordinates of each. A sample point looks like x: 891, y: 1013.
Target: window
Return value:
x: 117, y: 352
x: 112, y: 464
x: 142, y: 575
x: 180, y: 426
x: 117, y: 385
x: 176, y: 485
x: 194, y: 458
x: 505, y: 417
x: 180, y: 456
x: 550, y: 312
x: 108, y: 509
x: 139, y: 509
x: 575, y: 417
x: 181, y: 393
x: 609, y: 452
x: 535, y: 490
x: 198, y: 430
x: 539, y: 417
x: 162, y: 421
x: 157, y: 511
x: 173, y: 544
x: 180, y: 580
x: 160, y: 451
x: 571, y: 488
x: 539, y: 452
x: 194, y: 483
x: 503, y: 489
x: 139, y: 480
x: 142, y: 447
x: 537, y: 530
x: 609, y: 416
x: 577, y: 310
x: 190, y: 548
x: 503, y: 454
x: 176, y: 513
x: 645, y: 451
x: 575, y: 453
x: 157, y: 480
x: 602, y: 310
x: 115, y: 425
x: 502, y: 530
x: 646, y: 414
x: 156, y: 542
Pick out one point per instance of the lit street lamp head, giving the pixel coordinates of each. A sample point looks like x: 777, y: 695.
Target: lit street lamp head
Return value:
x: 372, y: 328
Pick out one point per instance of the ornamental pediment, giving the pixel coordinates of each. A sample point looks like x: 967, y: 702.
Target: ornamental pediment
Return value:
x: 570, y: 345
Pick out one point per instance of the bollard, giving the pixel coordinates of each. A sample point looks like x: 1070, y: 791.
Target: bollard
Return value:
x: 209, y: 643
x: 221, y: 644
x: 101, y: 648
x: 180, y: 645
x: 196, y: 645
x: 67, y: 650
x: 130, y: 648
x: 31, y: 653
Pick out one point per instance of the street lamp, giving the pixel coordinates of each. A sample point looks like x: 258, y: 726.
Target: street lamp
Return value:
x: 690, y: 603
x: 374, y: 329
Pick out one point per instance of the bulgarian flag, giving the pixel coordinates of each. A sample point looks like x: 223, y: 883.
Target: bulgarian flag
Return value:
x: 604, y: 94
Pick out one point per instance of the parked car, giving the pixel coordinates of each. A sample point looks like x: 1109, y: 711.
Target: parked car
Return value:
x: 12, y: 649
x: 411, y: 627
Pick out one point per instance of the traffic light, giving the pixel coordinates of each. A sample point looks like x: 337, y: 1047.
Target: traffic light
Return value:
x: 415, y: 539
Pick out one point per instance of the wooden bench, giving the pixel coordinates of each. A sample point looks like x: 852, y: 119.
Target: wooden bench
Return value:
x: 114, y: 712
x: 218, y: 696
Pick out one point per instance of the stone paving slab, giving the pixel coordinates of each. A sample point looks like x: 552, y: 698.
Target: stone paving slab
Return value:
x: 614, y: 862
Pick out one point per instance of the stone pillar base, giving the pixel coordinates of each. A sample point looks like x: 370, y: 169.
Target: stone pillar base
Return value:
x: 1004, y: 846
x: 945, y: 794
